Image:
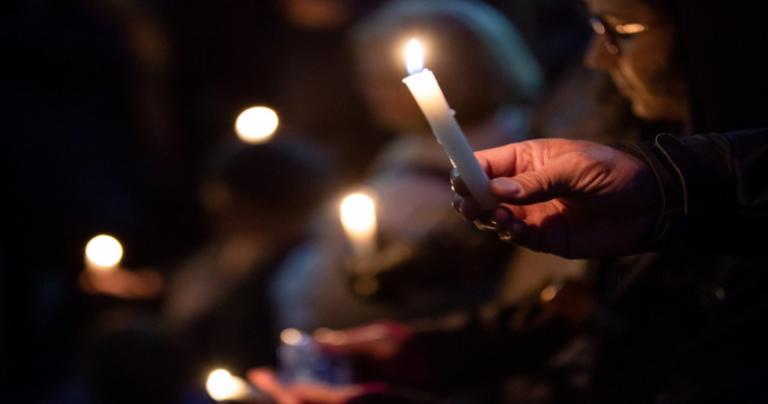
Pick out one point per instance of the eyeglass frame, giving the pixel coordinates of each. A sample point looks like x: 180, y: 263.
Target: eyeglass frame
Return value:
x: 611, y: 33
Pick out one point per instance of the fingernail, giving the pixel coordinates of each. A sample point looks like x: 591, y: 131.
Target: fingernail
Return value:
x: 507, y: 186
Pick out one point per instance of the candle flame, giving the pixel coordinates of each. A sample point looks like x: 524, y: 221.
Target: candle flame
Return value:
x: 103, y: 252
x: 358, y: 214
x: 414, y: 56
x: 291, y: 336
x: 257, y: 124
x: 221, y: 385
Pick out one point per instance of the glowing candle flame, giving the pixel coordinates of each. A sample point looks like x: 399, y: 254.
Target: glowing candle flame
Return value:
x: 221, y: 385
x: 257, y: 124
x: 358, y: 216
x: 291, y: 336
x: 414, y: 56
x: 103, y: 252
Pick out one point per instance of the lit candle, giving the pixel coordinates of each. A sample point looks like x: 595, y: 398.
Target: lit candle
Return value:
x: 423, y: 85
x: 358, y: 217
x: 224, y: 386
x: 257, y: 124
x: 103, y: 253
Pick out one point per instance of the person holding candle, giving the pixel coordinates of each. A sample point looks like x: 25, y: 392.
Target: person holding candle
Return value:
x: 212, y: 306
x: 407, y: 182
x: 687, y: 311
x: 421, y: 260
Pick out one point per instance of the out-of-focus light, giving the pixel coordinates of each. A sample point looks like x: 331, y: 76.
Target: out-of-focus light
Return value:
x: 103, y: 252
x: 629, y: 29
x: 548, y: 293
x: 329, y: 336
x: 257, y: 124
x: 291, y: 336
x: 358, y: 217
x: 414, y: 56
x: 221, y: 385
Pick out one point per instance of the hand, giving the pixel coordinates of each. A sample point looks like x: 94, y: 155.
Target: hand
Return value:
x: 380, y: 340
x: 122, y: 283
x: 576, y: 199
x: 267, y: 382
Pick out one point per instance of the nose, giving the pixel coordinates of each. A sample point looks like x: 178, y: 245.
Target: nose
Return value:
x: 597, y: 56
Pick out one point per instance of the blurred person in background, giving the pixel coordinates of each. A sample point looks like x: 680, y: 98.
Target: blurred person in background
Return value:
x: 88, y: 147
x: 427, y: 262
x: 291, y: 54
x: 434, y: 259
x: 214, y: 310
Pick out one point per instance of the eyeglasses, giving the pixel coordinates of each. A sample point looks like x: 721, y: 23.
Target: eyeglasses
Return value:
x: 613, y: 34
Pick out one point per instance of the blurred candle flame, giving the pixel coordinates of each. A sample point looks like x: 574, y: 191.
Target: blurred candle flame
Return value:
x: 222, y: 385
x: 257, y: 124
x: 358, y: 216
x: 103, y: 252
x: 291, y: 336
x: 414, y: 56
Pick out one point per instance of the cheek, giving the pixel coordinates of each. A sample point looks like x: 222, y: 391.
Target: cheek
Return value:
x: 645, y: 72
x: 646, y: 67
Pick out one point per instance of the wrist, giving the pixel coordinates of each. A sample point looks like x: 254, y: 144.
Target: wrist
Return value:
x: 667, y: 184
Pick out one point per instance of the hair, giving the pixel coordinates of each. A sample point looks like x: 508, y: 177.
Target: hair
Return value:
x: 281, y: 179
x: 718, y: 49
x: 474, y: 43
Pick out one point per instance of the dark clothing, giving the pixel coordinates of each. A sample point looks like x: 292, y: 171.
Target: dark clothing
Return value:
x: 714, y: 188
x: 685, y: 320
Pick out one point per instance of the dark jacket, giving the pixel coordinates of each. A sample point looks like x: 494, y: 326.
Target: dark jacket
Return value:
x: 715, y: 189
x: 689, y: 326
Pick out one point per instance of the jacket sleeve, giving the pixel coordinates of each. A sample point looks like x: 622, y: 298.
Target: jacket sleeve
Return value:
x: 714, y: 189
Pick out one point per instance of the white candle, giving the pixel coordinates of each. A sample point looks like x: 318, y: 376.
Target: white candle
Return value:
x: 103, y: 253
x: 423, y: 85
x: 358, y: 217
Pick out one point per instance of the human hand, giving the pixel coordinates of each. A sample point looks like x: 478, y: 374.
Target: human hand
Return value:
x: 576, y: 199
x: 380, y: 340
x: 122, y: 283
x: 302, y: 393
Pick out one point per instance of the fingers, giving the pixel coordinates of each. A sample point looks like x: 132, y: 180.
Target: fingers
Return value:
x: 463, y: 201
x: 322, y: 394
x: 265, y: 380
x: 457, y: 184
x: 544, y: 184
x: 503, y: 160
x: 468, y: 208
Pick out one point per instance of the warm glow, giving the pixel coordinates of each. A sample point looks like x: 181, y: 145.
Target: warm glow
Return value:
x: 414, y: 56
x: 358, y: 214
x: 330, y: 337
x: 221, y: 385
x: 548, y: 293
x: 629, y: 29
x: 256, y: 124
x: 103, y: 252
x: 291, y: 336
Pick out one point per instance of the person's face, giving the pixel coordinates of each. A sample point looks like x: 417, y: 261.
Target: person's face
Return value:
x: 634, y: 44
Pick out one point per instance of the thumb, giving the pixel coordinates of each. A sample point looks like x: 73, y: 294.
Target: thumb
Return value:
x: 531, y: 187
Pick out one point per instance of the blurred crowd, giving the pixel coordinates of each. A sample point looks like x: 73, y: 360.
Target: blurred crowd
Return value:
x: 136, y: 119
